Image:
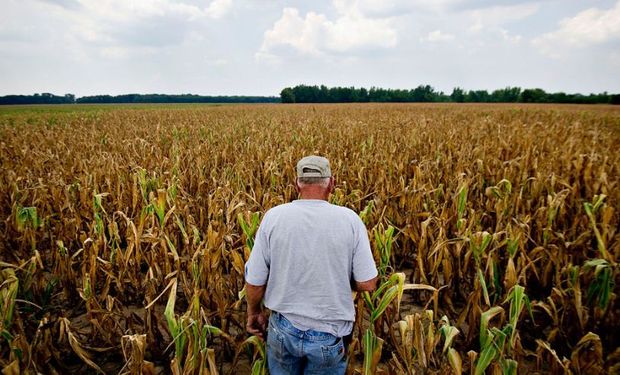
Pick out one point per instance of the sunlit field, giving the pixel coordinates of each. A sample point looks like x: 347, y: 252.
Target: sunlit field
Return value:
x: 124, y: 231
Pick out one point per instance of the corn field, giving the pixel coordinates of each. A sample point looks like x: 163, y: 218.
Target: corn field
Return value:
x: 124, y: 233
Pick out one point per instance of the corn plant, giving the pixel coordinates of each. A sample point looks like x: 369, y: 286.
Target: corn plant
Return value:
x: 518, y: 299
x: 479, y: 244
x: 602, y: 284
x: 384, y: 240
x: 249, y: 227
x: 491, y: 340
x: 377, y: 303
x: 591, y: 210
x: 28, y: 221
x: 98, y: 212
x: 259, y: 364
x: 418, y: 340
x: 8, y: 294
x: 190, y: 335
x: 461, y: 206
x: 367, y: 212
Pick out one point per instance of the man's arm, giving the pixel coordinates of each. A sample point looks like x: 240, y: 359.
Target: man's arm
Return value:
x: 366, y: 286
x: 364, y: 267
x: 257, y: 321
x: 256, y: 276
x: 255, y: 295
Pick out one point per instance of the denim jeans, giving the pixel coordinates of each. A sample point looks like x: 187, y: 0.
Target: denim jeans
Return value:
x: 293, y: 351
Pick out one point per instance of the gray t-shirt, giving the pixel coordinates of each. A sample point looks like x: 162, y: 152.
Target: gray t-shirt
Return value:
x: 307, y: 252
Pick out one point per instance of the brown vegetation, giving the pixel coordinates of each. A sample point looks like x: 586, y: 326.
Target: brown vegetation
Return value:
x: 121, y: 248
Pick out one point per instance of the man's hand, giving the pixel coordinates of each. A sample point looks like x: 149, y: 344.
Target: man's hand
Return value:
x: 257, y: 325
x: 257, y: 321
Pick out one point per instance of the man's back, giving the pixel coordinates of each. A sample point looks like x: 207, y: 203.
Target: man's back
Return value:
x: 307, y: 252
x: 305, y: 256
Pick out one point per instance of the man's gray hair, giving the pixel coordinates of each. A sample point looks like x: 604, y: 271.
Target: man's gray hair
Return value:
x: 321, y: 181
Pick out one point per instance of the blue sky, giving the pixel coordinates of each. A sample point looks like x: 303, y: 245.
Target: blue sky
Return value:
x: 258, y: 47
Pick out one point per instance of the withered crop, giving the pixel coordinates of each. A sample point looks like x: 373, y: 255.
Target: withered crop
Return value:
x: 124, y: 232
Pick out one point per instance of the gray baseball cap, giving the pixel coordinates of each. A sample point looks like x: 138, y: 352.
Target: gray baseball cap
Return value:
x: 313, y: 166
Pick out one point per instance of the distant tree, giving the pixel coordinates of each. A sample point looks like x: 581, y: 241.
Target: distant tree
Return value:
x: 363, y: 95
x: 423, y: 94
x: 458, y: 95
x: 477, y: 96
x: 506, y: 95
x: 533, y: 96
x: 287, y: 95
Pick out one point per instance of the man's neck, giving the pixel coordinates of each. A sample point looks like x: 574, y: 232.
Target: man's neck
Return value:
x: 313, y: 196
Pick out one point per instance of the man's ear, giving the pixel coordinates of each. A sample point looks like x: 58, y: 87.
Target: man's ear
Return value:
x: 297, y: 185
x: 332, y: 184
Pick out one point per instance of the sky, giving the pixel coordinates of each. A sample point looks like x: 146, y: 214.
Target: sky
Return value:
x: 258, y: 47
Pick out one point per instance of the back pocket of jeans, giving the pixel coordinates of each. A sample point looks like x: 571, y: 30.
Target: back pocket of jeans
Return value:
x: 333, y: 354
x: 275, y: 342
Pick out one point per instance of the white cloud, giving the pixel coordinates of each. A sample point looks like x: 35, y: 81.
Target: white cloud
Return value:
x: 589, y: 27
x: 437, y: 36
x: 491, y: 17
x: 398, y: 7
x: 508, y: 37
x: 218, y: 8
x: 315, y: 34
x: 120, y: 27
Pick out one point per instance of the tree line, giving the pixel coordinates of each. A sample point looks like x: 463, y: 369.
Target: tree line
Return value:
x: 184, y: 98
x: 427, y: 94
x: 47, y: 98
x: 44, y: 98
x: 323, y: 94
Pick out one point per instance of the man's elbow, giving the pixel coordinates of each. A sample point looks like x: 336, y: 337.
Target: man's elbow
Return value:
x: 366, y: 286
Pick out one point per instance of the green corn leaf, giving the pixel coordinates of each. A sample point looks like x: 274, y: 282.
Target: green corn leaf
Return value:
x: 385, y: 301
x: 486, y: 240
x: 509, y: 367
x: 590, y: 212
x: 366, y: 212
x: 487, y: 356
x: 368, y: 300
x: 499, y: 337
x: 258, y: 344
x: 598, y: 201
x: 372, y: 351
x: 172, y: 248
x: 449, y: 333
x: 485, y: 318
x: 461, y: 204
x: 517, y: 300
x: 258, y: 368
x: 455, y: 361
x: 381, y: 289
x: 483, y: 284
x: 169, y: 311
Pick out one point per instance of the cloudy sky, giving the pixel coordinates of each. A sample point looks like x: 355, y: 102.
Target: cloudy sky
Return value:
x: 257, y: 47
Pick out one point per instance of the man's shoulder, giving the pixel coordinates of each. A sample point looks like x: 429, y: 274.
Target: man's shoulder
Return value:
x: 279, y: 207
x: 346, y: 211
x: 290, y: 208
x: 276, y: 210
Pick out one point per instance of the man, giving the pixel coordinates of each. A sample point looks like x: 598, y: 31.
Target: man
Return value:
x: 307, y: 256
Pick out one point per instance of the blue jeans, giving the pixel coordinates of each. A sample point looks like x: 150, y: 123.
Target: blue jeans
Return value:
x: 293, y: 351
